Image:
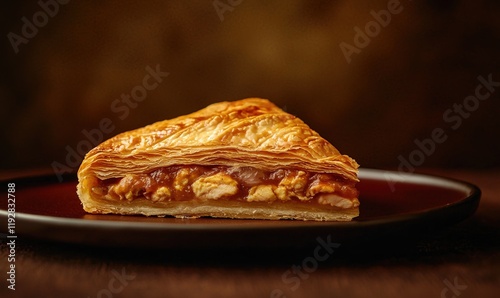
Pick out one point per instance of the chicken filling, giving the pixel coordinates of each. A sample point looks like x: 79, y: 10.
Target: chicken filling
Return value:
x: 238, y: 183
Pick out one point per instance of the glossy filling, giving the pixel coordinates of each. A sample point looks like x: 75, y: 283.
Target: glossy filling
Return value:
x: 183, y: 183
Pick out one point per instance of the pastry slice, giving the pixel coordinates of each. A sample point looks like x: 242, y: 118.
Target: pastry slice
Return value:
x: 242, y: 159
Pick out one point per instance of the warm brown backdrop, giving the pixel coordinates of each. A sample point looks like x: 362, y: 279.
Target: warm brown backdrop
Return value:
x: 394, y: 91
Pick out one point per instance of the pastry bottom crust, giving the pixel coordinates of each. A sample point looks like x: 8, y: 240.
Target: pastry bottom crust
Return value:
x: 221, y: 209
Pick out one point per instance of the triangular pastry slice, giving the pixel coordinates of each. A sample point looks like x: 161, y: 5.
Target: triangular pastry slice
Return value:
x: 242, y: 159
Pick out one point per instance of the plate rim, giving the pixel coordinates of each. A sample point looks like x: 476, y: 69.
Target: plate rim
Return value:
x: 473, y: 197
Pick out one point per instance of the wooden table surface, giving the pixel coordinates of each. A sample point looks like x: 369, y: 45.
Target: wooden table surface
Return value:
x: 459, y: 261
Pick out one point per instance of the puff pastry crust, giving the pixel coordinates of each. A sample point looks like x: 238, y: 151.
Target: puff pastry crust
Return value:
x: 240, y: 159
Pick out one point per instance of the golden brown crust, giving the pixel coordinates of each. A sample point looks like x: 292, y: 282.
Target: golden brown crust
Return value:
x: 251, y: 132
x: 246, y: 133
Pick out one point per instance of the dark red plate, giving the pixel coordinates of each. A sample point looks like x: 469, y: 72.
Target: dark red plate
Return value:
x: 392, y: 204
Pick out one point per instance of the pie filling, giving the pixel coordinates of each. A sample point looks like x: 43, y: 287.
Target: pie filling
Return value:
x: 183, y: 183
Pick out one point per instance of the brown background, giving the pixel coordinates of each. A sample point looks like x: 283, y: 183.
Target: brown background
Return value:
x: 393, y: 92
